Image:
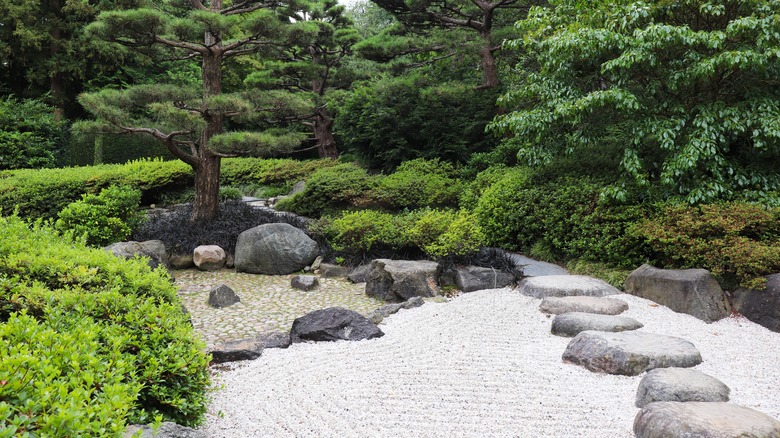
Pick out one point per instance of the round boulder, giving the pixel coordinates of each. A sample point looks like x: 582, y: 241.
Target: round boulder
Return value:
x: 680, y: 384
x: 703, y: 419
x: 274, y: 249
x: 209, y: 257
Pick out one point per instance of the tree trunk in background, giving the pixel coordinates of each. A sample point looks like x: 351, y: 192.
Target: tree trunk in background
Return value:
x: 323, y: 132
x: 489, y: 67
x: 56, y: 85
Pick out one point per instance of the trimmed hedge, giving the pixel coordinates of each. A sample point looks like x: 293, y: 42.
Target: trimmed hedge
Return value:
x: 89, y: 341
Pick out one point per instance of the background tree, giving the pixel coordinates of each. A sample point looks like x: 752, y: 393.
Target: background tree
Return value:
x: 191, y: 121
x: 315, y: 69
x: 489, y: 19
x: 684, y: 92
x: 43, y: 48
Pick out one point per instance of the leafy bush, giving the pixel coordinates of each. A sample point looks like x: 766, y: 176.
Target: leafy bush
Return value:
x: 612, y: 275
x: 117, y: 323
x: 559, y: 220
x: 331, y: 189
x: 471, y: 192
x: 30, y: 136
x: 435, y: 233
x: 739, y: 243
x: 181, y: 236
x: 419, y: 183
x: 105, y: 218
x: 242, y: 171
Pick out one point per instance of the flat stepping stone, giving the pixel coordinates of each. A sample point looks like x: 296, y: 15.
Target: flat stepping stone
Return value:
x: 565, y: 286
x: 573, y: 323
x: 703, y: 419
x: 630, y: 353
x: 681, y: 385
x: 600, y: 305
x: 535, y: 268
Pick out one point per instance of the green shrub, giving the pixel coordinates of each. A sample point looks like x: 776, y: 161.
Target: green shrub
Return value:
x: 739, y: 243
x: 437, y: 233
x: 123, y: 315
x: 331, y: 189
x: 499, y: 210
x: 471, y: 192
x: 227, y: 193
x: 60, y: 379
x: 108, y: 217
x: 419, y: 183
x: 612, y: 275
x: 242, y: 171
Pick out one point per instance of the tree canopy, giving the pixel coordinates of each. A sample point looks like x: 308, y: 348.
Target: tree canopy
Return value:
x: 686, y: 91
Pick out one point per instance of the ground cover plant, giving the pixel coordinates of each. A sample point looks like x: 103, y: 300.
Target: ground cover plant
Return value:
x: 90, y: 341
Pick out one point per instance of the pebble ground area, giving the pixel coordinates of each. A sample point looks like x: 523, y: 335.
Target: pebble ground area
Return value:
x: 483, y: 364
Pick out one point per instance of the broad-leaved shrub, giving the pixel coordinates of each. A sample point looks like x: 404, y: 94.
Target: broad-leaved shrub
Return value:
x: 331, y: 189
x: 419, y: 183
x: 108, y: 217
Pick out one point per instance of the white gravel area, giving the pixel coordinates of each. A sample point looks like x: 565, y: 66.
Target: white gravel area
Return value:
x: 483, y: 364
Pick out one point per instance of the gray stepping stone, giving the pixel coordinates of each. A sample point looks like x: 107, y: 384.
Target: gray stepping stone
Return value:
x: 680, y: 384
x: 565, y: 286
x: 630, y: 353
x: 571, y: 324
x: 703, y: 419
x: 600, y: 305
x: 535, y: 268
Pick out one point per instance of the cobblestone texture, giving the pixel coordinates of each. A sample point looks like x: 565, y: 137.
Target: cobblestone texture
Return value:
x: 268, y: 302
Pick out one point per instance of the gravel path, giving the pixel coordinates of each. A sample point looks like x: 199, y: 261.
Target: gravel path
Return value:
x: 483, y: 364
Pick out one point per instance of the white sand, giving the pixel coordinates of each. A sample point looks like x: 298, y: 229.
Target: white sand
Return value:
x: 484, y: 364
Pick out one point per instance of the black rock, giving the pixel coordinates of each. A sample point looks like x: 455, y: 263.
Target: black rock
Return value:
x: 304, y: 282
x: 233, y: 351
x: 222, y: 296
x: 333, y: 324
x: 761, y: 306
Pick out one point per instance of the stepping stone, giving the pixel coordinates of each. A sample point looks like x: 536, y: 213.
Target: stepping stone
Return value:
x: 603, y: 306
x: 304, y: 282
x: 222, y: 296
x: 681, y: 385
x: 703, y: 419
x: 571, y: 324
x: 535, y: 268
x: 630, y: 353
x: 244, y: 349
x: 565, y: 286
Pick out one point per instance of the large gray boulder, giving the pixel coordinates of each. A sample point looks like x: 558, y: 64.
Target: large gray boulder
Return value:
x: 154, y: 250
x: 691, y: 291
x: 333, y: 324
x: 328, y: 270
x: 573, y: 323
x: 234, y: 351
x: 274, y: 249
x: 600, y: 305
x: 564, y: 286
x: 703, y: 419
x: 209, y: 257
x: 680, y: 384
x: 629, y: 353
x: 761, y: 306
x: 472, y: 278
x: 359, y: 274
x: 399, y: 280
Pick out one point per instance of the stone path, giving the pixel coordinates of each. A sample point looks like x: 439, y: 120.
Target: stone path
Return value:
x: 268, y: 302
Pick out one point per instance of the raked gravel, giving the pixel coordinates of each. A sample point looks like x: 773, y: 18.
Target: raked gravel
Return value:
x: 483, y: 364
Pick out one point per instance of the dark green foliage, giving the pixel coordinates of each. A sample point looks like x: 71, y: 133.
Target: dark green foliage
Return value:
x: 399, y: 119
x: 30, y: 136
x: 419, y: 183
x: 739, y: 243
x: 181, y: 236
x: 331, y: 189
x: 238, y: 171
x: 559, y: 220
x: 118, y: 323
x: 105, y: 218
x: 44, y: 193
x: 116, y: 149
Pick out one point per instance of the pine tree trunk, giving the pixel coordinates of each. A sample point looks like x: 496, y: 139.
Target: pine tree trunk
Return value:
x: 207, y: 169
x: 323, y: 132
x: 489, y: 66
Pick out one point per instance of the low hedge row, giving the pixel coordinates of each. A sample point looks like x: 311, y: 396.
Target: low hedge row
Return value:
x: 42, y: 193
x: 88, y: 341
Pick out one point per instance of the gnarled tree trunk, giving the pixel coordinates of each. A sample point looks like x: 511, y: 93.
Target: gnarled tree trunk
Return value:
x: 323, y: 133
